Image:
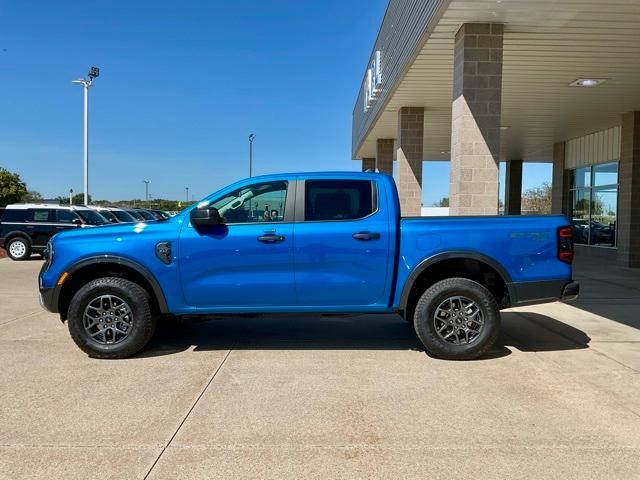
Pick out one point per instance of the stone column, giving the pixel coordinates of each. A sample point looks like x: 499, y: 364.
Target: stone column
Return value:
x: 560, y: 182
x: 368, y: 164
x: 513, y: 188
x: 475, y: 127
x: 384, y: 155
x: 409, y: 156
x: 628, y: 241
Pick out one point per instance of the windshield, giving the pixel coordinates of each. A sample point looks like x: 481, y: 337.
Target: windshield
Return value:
x: 146, y: 215
x: 108, y: 215
x: 92, y: 217
x: 162, y: 215
x: 122, y: 216
x: 135, y: 215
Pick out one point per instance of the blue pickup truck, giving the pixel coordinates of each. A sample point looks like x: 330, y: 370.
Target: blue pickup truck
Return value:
x: 318, y: 243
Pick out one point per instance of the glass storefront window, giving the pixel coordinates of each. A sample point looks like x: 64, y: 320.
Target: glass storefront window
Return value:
x: 580, y: 220
x: 605, y: 174
x: 595, y: 208
x: 604, y: 208
x: 582, y: 177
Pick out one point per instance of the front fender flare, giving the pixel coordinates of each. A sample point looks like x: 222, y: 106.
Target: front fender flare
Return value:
x: 148, y: 276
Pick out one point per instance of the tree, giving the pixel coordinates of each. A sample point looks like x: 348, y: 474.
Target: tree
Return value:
x: 443, y: 202
x: 537, y: 200
x: 78, y: 199
x: 12, y: 188
x: 32, y: 197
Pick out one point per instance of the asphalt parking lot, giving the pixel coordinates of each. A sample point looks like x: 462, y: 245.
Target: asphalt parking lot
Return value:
x: 287, y: 397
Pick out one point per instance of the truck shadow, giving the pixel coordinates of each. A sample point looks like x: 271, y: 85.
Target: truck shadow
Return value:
x: 366, y: 332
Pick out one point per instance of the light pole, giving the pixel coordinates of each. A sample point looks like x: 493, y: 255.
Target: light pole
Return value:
x: 251, y: 139
x: 146, y: 189
x: 94, y: 72
x: 71, y: 196
x: 187, y: 190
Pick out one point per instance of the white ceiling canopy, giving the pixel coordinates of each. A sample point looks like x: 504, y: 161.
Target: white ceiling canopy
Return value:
x: 548, y: 45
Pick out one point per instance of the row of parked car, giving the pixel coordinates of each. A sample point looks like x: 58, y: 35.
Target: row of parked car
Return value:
x: 25, y: 228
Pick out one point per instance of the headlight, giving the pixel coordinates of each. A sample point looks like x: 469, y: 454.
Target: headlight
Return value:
x: 48, y: 254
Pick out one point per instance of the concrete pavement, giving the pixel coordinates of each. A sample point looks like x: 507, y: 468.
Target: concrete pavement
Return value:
x: 287, y: 397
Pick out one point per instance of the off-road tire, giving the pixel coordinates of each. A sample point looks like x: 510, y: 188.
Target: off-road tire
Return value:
x: 142, y: 326
x: 423, y: 319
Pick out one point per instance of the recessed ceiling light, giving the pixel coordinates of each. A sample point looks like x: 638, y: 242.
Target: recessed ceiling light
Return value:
x: 587, y: 82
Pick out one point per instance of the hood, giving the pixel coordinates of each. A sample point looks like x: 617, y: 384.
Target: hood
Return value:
x: 114, y: 231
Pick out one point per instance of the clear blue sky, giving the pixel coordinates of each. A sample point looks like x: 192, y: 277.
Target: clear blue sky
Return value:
x: 182, y: 85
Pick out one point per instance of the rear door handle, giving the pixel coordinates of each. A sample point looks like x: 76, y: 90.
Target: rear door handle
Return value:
x: 366, y: 236
x: 271, y: 238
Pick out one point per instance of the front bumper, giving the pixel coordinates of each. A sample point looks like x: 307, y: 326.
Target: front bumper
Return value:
x: 49, y: 299
x: 48, y: 295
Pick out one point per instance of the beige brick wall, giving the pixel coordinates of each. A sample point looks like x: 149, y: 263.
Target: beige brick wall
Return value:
x: 384, y: 155
x: 629, y: 192
x: 409, y: 148
x: 560, y: 181
x: 368, y: 164
x: 475, y: 128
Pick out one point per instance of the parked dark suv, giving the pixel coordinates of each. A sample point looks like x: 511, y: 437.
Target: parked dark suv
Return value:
x: 26, y: 228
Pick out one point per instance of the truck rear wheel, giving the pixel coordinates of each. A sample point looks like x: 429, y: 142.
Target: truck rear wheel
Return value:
x: 111, y: 317
x: 457, y: 319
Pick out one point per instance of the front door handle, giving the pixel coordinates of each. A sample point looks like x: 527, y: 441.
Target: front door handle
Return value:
x: 271, y: 238
x: 366, y: 236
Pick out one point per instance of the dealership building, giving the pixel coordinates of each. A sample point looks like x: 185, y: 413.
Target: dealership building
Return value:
x: 481, y: 82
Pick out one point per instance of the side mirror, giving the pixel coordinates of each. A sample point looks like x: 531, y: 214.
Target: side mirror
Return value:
x: 205, y: 216
x: 77, y: 222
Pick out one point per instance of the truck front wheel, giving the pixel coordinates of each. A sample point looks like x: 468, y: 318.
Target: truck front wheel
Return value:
x: 111, y: 317
x: 457, y: 319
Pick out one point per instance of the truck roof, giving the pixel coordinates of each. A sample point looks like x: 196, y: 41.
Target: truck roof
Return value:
x: 337, y: 174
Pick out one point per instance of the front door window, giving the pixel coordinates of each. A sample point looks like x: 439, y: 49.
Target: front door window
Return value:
x: 259, y: 203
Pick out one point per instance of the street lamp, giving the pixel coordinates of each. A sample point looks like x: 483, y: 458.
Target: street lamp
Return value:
x: 94, y: 72
x: 71, y: 196
x: 146, y: 189
x: 187, y: 190
x: 251, y: 139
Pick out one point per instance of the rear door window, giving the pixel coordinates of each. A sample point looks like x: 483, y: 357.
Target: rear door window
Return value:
x: 338, y: 199
x: 40, y: 215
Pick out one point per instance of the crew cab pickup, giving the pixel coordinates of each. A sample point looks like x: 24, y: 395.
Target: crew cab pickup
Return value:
x: 317, y: 243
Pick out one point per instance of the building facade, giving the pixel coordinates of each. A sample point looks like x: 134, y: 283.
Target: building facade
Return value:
x: 479, y: 83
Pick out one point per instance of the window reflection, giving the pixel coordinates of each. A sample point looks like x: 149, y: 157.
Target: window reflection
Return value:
x: 581, y: 216
x: 604, y: 207
x: 605, y: 174
x: 582, y: 177
x: 595, y: 208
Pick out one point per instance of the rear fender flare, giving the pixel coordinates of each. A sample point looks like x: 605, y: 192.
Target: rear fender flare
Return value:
x: 430, y: 261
